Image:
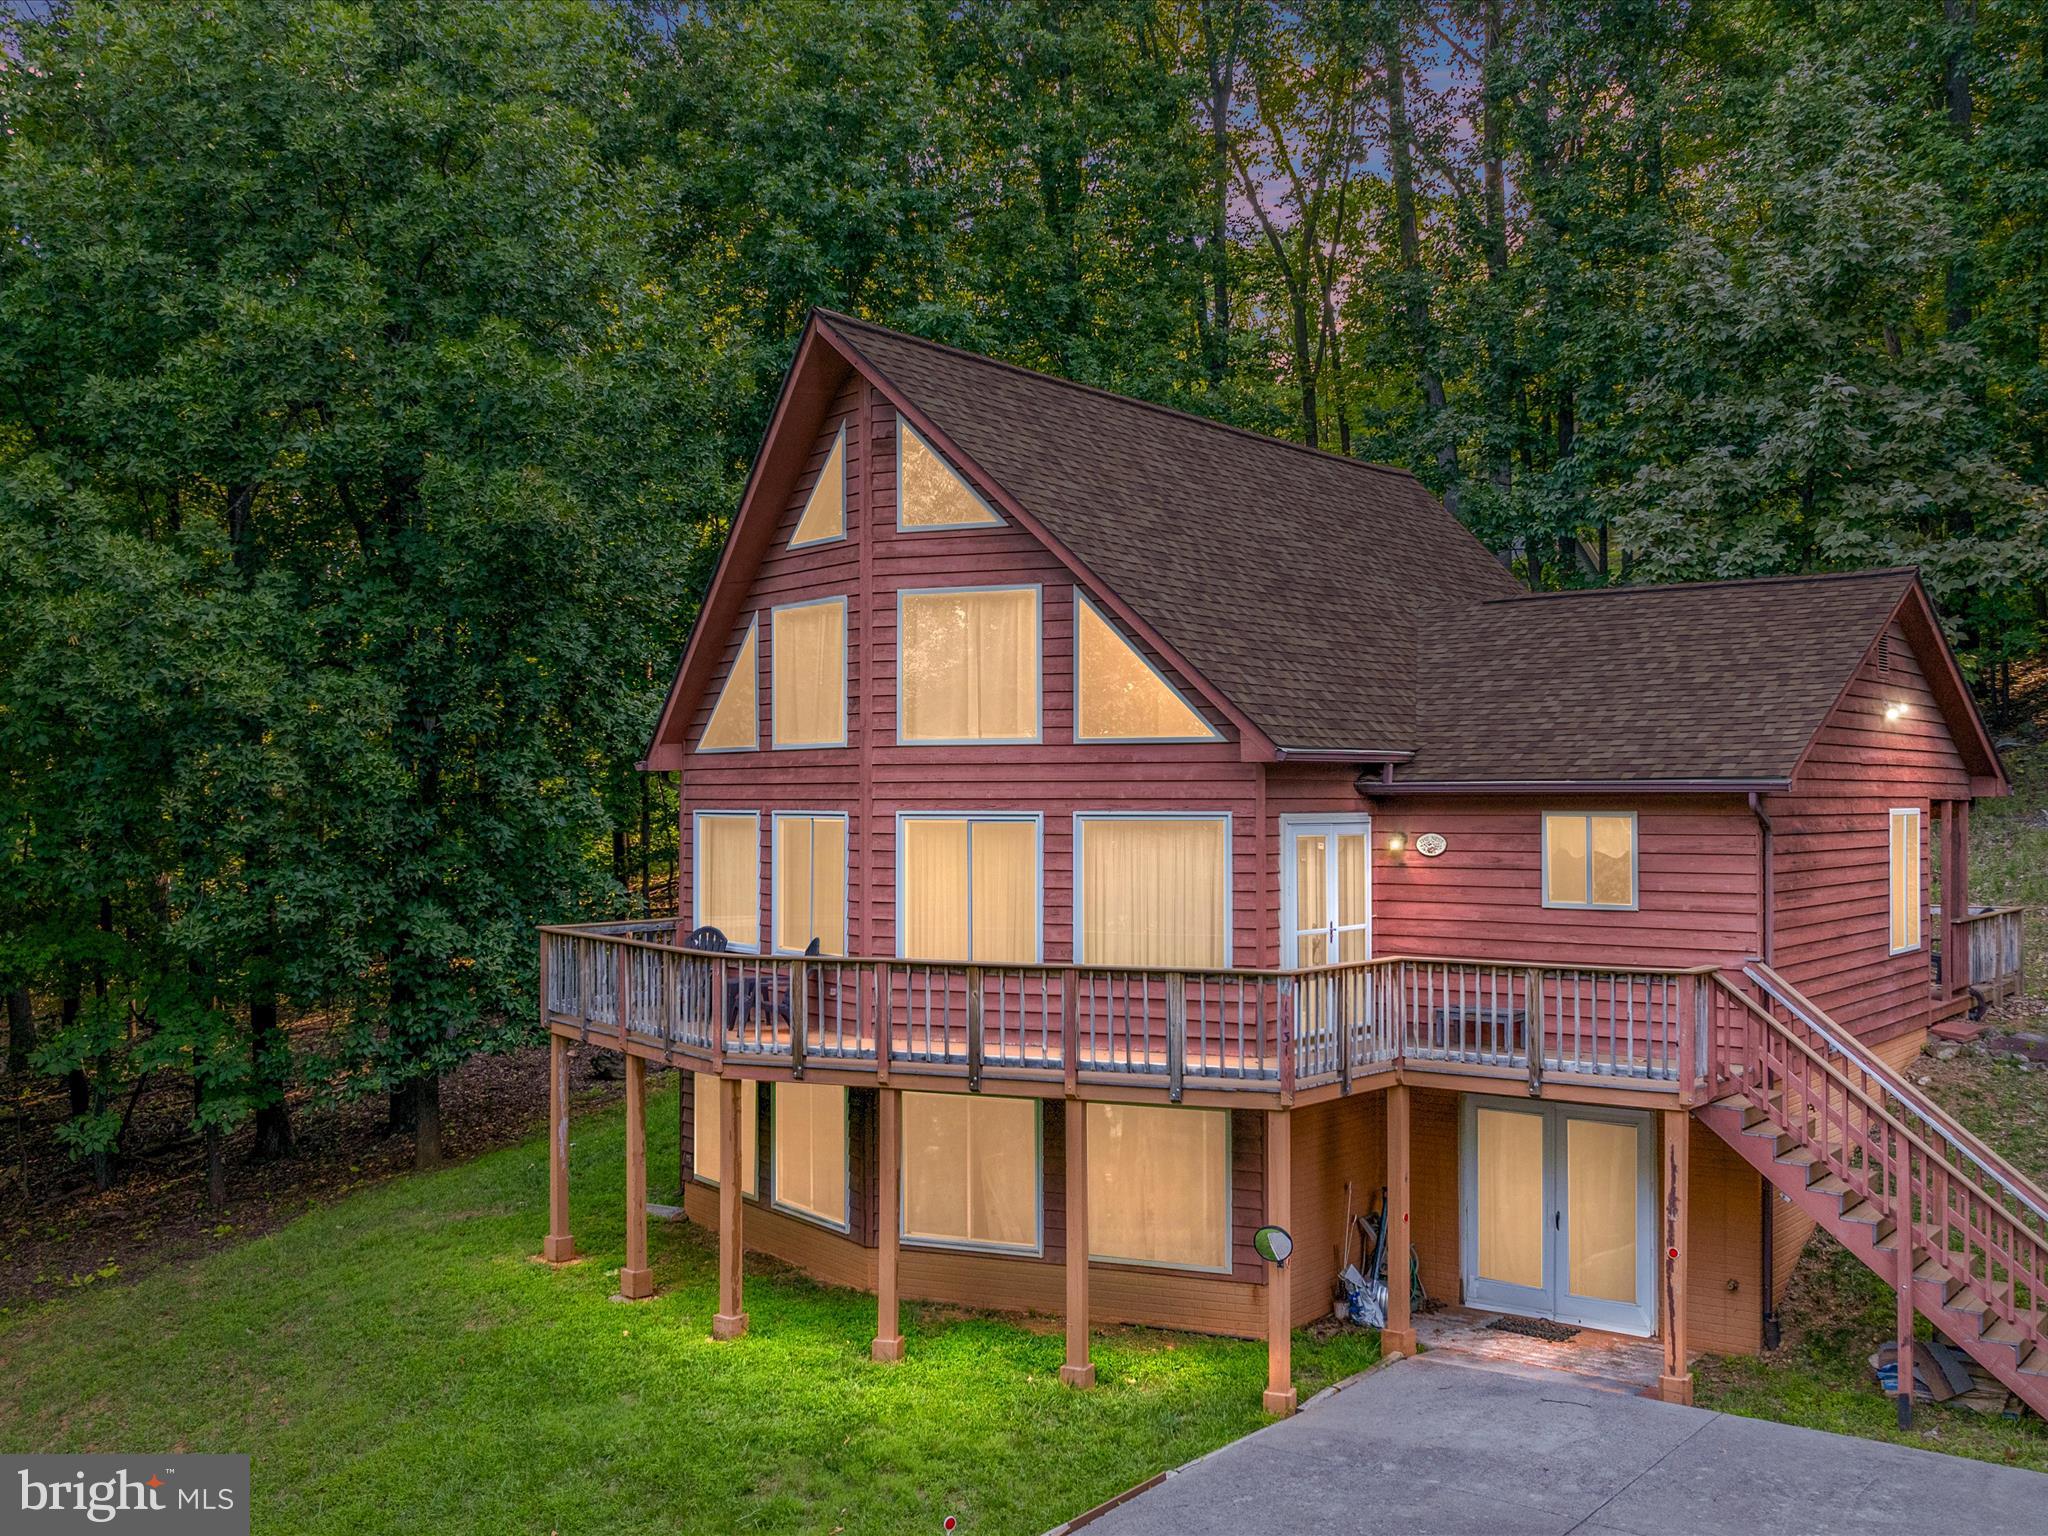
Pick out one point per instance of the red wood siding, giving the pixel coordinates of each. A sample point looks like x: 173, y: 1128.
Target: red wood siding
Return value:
x: 872, y: 778
x: 1697, y: 861
x: 1831, y: 929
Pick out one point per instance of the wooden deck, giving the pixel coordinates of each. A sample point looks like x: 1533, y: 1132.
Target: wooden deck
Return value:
x: 1255, y: 1038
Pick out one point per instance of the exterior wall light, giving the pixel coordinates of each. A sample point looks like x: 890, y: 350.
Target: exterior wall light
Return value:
x: 1396, y: 843
x: 1894, y: 711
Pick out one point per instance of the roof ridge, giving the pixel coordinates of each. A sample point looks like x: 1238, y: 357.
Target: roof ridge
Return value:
x: 1110, y: 394
x: 1665, y: 587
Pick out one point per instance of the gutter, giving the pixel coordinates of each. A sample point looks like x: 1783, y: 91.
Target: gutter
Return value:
x: 1751, y: 787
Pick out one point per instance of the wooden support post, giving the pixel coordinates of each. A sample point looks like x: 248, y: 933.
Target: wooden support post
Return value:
x: 558, y: 1247
x: 1079, y: 1370
x: 1398, y: 1337
x: 1279, y: 1398
x: 636, y: 1280
x: 1955, y: 897
x: 1675, y: 1385
x: 730, y: 1321
x: 888, y: 1343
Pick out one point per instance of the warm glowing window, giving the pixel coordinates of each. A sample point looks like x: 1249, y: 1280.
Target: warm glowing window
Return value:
x: 970, y: 1170
x: 810, y: 883
x: 810, y: 1150
x: 1153, y: 891
x: 729, y: 876
x: 1589, y: 860
x: 735, y: 724
x: 969, y: 889
x: 1118, y: 695
x: 968, y: 665
x: 809, y: 645
x: 1159, y: 1185
x: 824, y: 515
x: 1905, y: 879
x: 707, y: 1159
x: 928, y: 493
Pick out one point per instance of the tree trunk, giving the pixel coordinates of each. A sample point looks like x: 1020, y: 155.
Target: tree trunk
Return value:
x: 427, y: 1122
x: 619, y: 854
x: 270, y: 1076
x: 646, y: 848
x: 21, y: 1030
x: 216, y: 1168
x: 399, y: 1111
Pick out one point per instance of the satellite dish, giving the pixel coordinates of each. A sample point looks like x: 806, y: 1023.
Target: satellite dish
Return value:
x: 1273, y: 1244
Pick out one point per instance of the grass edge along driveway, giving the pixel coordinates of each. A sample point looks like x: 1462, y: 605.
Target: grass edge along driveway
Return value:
x: 396, y: 1362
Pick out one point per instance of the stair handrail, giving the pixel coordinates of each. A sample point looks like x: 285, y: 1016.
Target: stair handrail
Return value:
x: 1846, y: 1045
x: 1983, y: 1285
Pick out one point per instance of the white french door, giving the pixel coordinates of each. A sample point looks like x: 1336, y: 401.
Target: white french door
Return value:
x: 1326, y: 895
x: 1557, y: 1212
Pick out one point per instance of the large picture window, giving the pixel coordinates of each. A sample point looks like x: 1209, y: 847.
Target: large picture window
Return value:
x: 968, y: 889
x: 809, y: 1128
x: 735, y: 723
x: 708, y: 1117
x: 808, y: 641
x: 1153, y: 891
x: 1118, y: 694
x: 1159, y: 1185
x: 971, y: 1171
x: 1905, y: 861
x: 728, y: 876
x: 1589, y: 859
x: 810, y: 883
x: 968, y: 665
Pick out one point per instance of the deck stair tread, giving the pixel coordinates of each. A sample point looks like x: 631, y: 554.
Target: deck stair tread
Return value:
x: 1864, y: 1213
x: 1830, y: 1184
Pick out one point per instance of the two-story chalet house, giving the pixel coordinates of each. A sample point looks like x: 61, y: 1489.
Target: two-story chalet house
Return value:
x: 1106, y: 833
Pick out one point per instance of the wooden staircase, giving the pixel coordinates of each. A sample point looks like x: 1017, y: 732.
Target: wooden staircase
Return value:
x: 1959, y: 1234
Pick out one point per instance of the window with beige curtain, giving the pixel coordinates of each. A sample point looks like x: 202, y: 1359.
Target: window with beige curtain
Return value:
x: 970, y: 1170
x: 1153, y: 892
x: 810, y: 883
x: 1118, y: 696
x: 824, y: 514
x: 1905, y: 851
x: 1589, y: 860
x: 809, y: 1127
x: 928, y: 493
x: 808, y: 645
x: 706, y: 1120
x: 968, y: 665
x: 735, y: 724
x: 1159, y: 1185
x: 970, y: 890
x: 729, y: 875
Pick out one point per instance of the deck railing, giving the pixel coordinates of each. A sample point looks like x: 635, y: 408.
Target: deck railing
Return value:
x: 1990, y: 960
x: 1276, y: 1030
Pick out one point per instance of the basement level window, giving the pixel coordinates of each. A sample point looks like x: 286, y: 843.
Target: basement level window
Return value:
x: 1589, y: 859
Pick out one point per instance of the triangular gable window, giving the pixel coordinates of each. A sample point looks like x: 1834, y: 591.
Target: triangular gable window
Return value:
x: 1119, y: 695
x: 736, y: 717
x: 824, y: 516
x: 928, y: 493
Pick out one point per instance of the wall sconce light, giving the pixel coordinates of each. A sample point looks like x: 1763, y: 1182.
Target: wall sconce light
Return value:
x: 1894, y: 711
x: 1396, y: 843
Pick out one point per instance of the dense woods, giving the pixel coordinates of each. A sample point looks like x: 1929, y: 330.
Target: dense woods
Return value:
x: 377, y: 381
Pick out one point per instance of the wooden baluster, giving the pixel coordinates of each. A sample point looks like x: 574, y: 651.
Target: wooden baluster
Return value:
x: 622, y: 982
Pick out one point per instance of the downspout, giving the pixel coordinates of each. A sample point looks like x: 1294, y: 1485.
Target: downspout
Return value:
x: 1766, y: 905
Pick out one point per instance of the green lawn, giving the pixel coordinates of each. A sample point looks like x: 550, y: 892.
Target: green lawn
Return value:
x: 395, y: 1362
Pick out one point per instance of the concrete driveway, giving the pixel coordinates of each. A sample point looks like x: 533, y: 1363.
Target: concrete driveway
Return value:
x: 1426, y: 1446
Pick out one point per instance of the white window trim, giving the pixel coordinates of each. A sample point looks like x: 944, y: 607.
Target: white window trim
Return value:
x: 1229, y: 1203
x: 1891, y: 820
x: 697, y: 872
x: 903, y: 426
x: 1037, y: 735
x: 1635, y: 864
x: 1082, y: 600
x: 1229, y: 871
x: 845, y: 662
x: 1036, y: 1248
x: 838, y: 447
x: 775, y: 1200
x: 775, y: 873
x: 1290, y: 898
x: 1037, y: 821
x: 754, y: 634
x: 697, y: 1173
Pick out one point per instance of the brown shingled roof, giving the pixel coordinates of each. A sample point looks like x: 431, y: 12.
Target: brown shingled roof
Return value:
x: 1714, y: 680
x: 1293, y: 580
